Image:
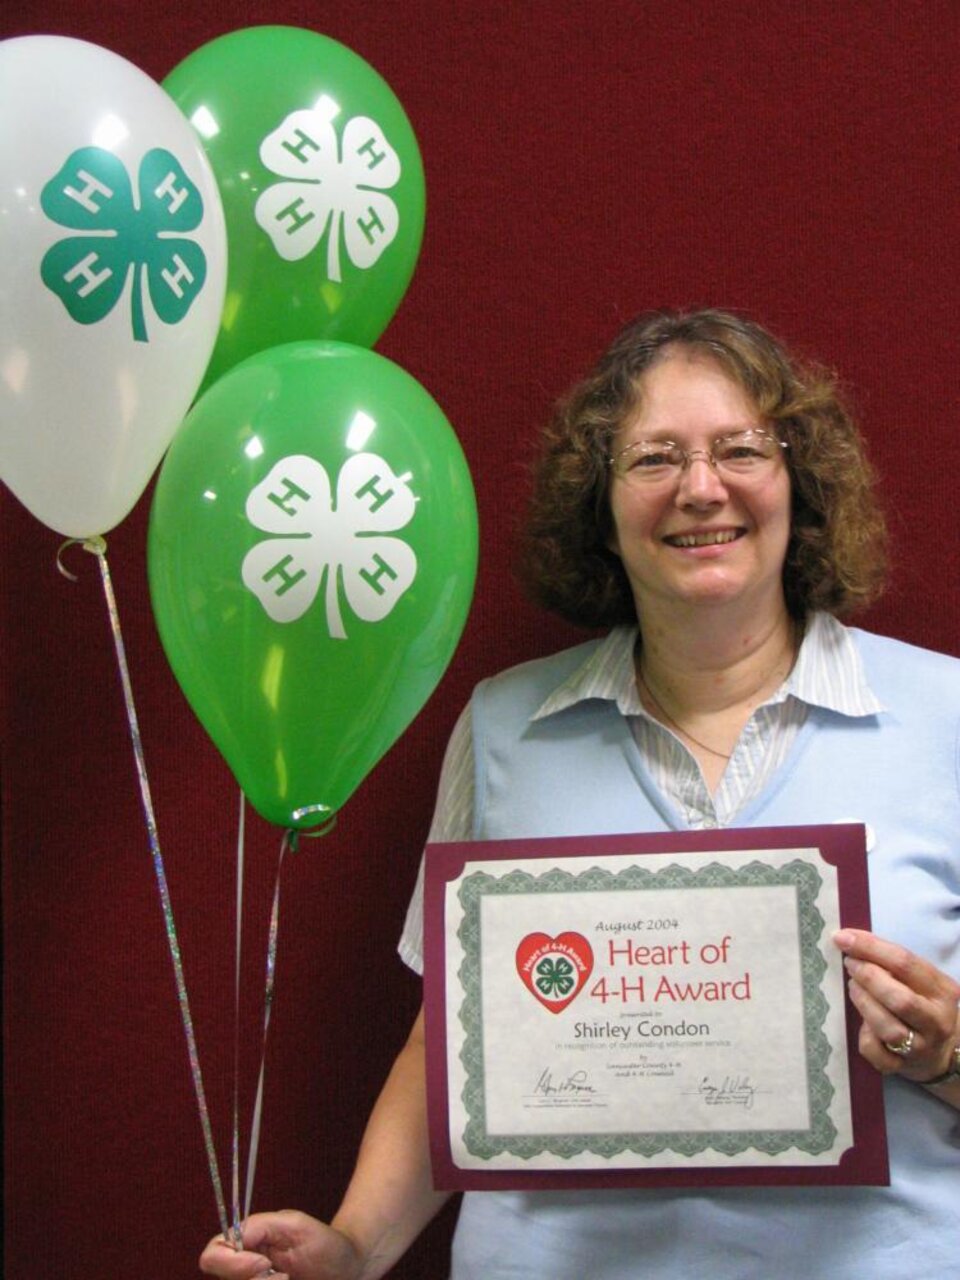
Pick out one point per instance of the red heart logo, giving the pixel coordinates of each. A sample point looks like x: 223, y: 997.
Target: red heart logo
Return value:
x: 555, y: 969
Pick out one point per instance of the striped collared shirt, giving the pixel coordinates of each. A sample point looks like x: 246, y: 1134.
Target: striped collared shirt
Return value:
x: 828, y: 673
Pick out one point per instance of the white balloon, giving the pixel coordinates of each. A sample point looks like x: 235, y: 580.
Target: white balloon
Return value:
x: 113, y: 275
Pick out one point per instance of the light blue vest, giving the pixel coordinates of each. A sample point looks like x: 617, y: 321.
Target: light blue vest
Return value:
x: 578, y: 772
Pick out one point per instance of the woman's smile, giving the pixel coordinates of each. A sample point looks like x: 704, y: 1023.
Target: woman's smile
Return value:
x: 703, y: 538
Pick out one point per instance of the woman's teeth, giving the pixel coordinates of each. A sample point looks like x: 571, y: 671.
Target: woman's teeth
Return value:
x: 702, y: 539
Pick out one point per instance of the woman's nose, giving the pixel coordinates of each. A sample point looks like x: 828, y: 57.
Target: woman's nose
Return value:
x: 700, y: 482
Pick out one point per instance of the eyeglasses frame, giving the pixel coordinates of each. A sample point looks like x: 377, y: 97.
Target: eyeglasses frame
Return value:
x: 690, y: 454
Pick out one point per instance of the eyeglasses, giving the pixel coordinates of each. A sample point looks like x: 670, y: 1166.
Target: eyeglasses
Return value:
x: 743, y: 455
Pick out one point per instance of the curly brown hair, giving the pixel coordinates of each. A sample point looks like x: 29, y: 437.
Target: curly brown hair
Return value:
x: 836, y: 557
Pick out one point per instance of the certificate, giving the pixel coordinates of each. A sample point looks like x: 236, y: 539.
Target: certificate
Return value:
x: 651, y: 1009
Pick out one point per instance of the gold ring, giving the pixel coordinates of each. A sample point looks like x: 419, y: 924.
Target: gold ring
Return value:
x: 903, y: 1047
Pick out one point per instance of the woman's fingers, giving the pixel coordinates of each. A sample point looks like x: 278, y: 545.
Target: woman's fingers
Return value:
x: 220, y: 1258
x: 908, y: 1006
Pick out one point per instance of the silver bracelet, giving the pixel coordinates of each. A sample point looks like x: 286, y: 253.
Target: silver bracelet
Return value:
x: 952, y: 1072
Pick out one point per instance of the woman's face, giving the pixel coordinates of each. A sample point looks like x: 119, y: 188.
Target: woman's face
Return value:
x: 700, y: 538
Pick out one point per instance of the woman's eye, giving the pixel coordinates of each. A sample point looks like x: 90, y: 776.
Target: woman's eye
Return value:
x: 661, y: 458
x: 742, y: 453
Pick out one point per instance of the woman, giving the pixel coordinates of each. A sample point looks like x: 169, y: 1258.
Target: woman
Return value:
x: 705, y: 486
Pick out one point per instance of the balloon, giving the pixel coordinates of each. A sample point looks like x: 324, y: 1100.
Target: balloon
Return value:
x: 311, y: 558
x: 113, y: 278
x: 322, y: 186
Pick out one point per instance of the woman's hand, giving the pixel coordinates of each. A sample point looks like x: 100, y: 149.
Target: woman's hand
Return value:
x: 287, y: 1246
x: 389, y: 1201
x: 905, y: 1002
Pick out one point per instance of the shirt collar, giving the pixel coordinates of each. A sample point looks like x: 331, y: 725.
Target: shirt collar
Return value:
x: 828, y: 673
x: 607, y: 673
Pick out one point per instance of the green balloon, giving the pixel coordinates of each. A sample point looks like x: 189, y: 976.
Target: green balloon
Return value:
x: 321, y: 182
x: 312, y: 554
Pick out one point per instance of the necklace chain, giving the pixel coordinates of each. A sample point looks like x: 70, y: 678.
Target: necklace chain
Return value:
x: 721, y: 755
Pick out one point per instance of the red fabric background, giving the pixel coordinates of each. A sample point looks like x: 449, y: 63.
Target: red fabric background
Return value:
x: 583, y: 162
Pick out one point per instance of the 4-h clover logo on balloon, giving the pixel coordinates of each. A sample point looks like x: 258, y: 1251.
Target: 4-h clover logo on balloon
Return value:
x: 124, y: 237
x: 328, y: 191
x: 342, y: 543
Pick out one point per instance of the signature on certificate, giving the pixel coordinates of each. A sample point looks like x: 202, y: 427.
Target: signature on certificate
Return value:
x: 576, y: 1084
x: 733, y: 1091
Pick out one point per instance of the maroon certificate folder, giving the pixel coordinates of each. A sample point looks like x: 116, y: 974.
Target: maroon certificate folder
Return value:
x: 648, y: 1010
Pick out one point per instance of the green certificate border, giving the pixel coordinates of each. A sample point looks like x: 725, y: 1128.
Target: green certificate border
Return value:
x: 802, y: 876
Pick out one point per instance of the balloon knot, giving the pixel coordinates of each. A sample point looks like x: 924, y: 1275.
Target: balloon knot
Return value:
x: 293, y: 834
x: 96, y: 545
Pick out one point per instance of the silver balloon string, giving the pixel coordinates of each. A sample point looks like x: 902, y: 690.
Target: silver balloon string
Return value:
x: 289, y: 843
x: 232, y: 1230
x: 97, y: 547
x: 237, y: 1239
x: 270, y: 979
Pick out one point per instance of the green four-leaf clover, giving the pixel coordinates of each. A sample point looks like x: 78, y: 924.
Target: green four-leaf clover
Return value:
x: 124, y: 237
x: 554, y: 977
